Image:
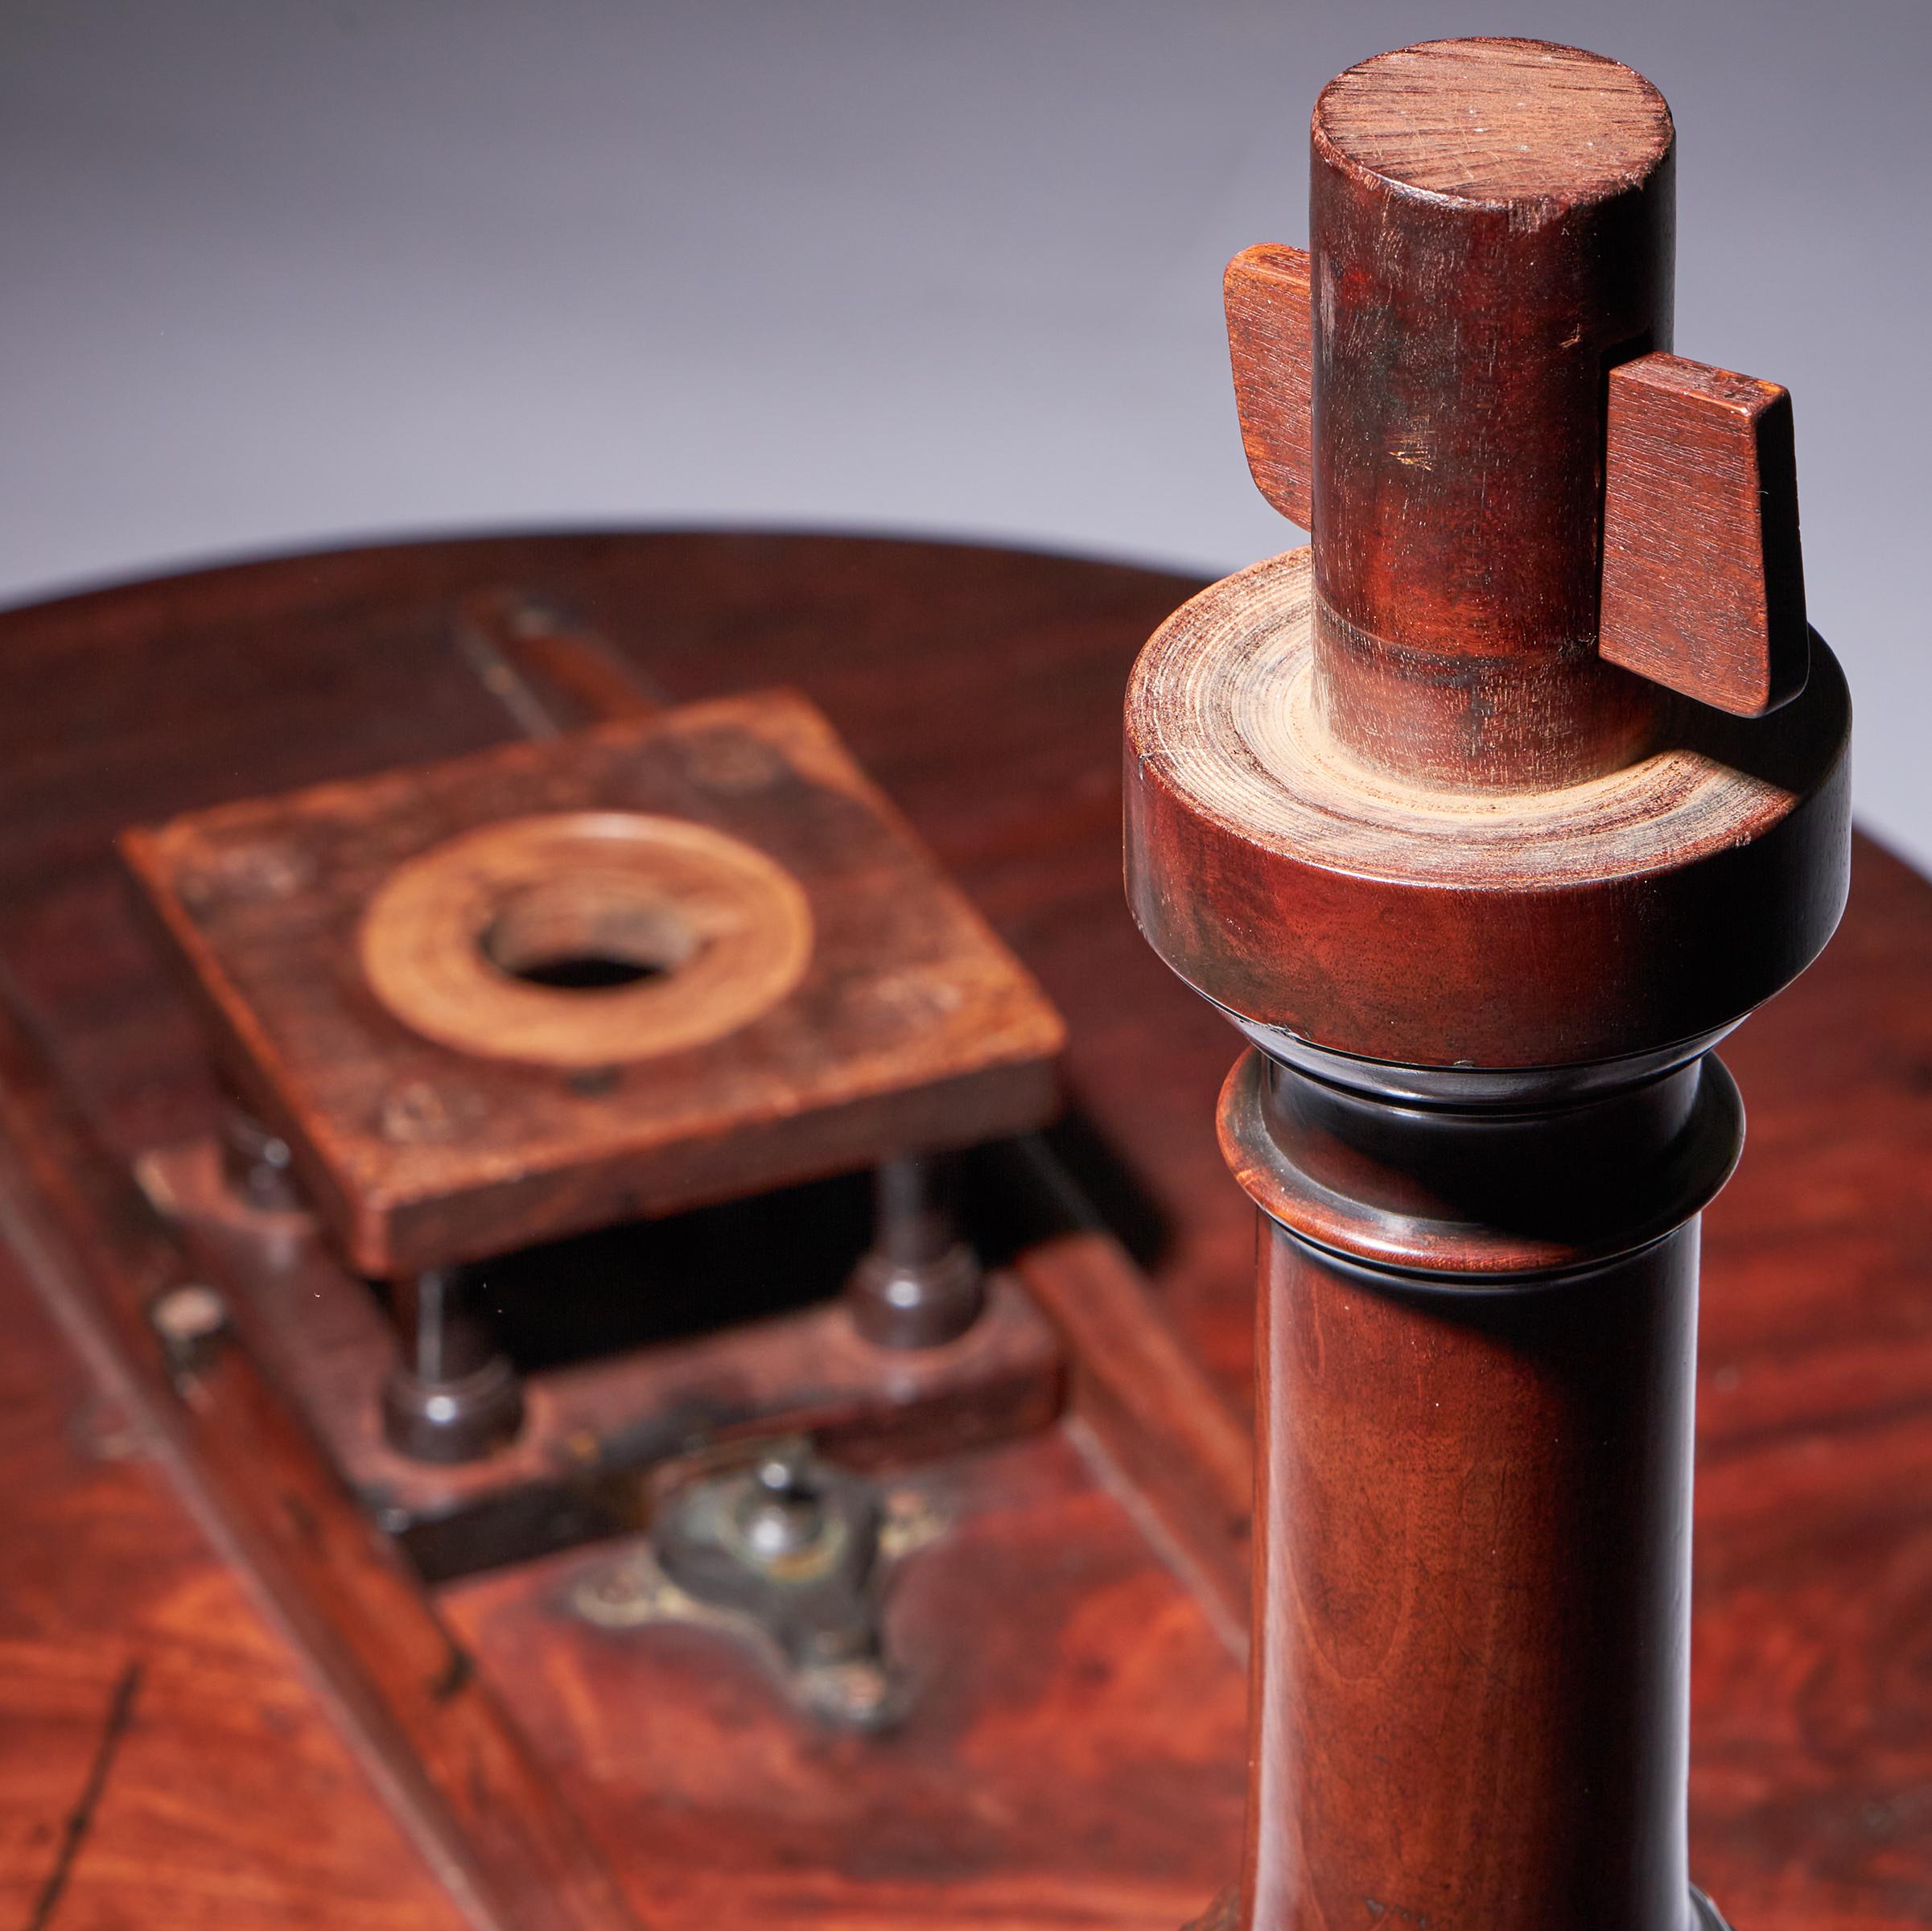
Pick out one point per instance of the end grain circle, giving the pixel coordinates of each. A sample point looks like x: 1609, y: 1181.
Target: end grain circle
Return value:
x: 472, y: 944
x: 1496, y: 121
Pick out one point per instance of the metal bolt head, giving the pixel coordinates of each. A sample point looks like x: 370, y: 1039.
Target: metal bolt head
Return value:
x: 779, y: 1515
x: 191, y: 1321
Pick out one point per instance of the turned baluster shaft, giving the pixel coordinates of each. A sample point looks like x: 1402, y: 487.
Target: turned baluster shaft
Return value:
x: 1482, y: 898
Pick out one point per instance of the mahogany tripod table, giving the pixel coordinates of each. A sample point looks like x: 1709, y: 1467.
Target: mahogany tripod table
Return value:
x: 167, y: 1758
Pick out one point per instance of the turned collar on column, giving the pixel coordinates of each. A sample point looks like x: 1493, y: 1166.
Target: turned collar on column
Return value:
x: 1530, y: 759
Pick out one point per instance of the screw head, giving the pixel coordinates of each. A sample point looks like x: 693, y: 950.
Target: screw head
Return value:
x: 189, y: 1313
x: 780, y: 1515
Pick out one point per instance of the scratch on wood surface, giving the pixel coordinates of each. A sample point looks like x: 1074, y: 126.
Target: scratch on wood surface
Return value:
x: 79, y: 1820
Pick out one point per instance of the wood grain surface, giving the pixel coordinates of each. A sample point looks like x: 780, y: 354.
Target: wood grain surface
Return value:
x: 1491, y: 223
x: 1497, y: 1739
x: 1481, y: 899
x: 226, y: 1798
x: 1344, y: 902
x: 825, y: 999
x: 455, y: 1773
x: 146, y: 1706
x: 1703, y: 586
x: 1270, y: 344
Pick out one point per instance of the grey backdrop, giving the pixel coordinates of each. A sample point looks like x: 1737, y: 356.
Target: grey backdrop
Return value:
x: 275, y: 273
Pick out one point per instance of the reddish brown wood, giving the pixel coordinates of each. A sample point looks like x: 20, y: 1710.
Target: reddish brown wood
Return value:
x: 432, y: 1736
x: 829, y: 1000
x: 551, y: 670
x: 1491, y: 225
x: 1812, y: 1720
x: 1270, y: 344
x: 1703, y: 587
x: 1318, y: 899
x: 590, y: 1428
x: 145, y: 1703
x: 1115, y: 1580
x: 1451, y: 871
x: 1353, y: 772
x: 1476, y: 1339
x: 1152, y: 1410
x: 1059, y: 1766
x: 1471, y: 1653
x: 1702, y: 584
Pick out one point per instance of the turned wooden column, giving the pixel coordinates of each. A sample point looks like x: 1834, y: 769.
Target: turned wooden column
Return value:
x: 1484, y: 818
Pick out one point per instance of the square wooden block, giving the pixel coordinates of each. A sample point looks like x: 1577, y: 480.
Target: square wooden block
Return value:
x: 617, y: 974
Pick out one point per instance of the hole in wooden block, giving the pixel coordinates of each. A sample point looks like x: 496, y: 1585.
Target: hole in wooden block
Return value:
x: 585, y: 939
x: 588, y: 934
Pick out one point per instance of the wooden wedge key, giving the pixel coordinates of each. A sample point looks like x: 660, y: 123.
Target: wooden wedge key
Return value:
x: 1484, y: 818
